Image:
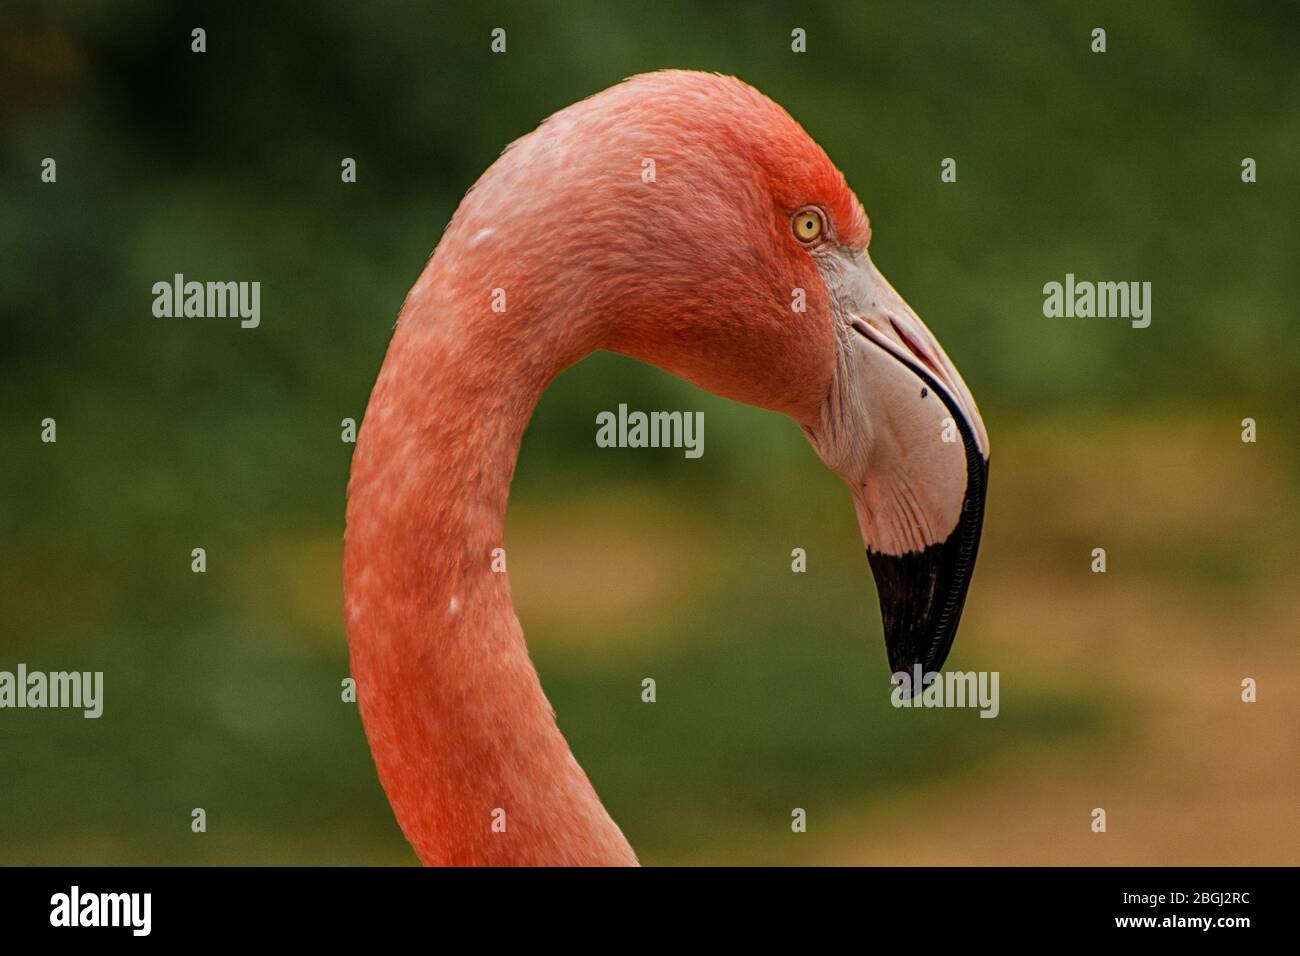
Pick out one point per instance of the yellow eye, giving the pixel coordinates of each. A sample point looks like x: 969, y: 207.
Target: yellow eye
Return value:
x: 807, y: 225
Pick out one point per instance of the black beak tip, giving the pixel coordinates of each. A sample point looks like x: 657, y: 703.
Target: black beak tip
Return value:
x: 903, y: 660
x: 922, y: 593
x: 910, y: 650
x: 919, y: 610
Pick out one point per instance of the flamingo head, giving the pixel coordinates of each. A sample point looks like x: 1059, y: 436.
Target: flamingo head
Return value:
x: 723, y: 245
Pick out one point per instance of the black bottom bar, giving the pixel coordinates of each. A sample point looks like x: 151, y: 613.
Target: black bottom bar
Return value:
x: 907, y: 906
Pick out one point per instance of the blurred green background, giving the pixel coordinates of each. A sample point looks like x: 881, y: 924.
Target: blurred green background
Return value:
x: 222, y: 690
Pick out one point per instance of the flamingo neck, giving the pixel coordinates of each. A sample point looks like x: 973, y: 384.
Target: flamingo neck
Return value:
x: 464, y: 739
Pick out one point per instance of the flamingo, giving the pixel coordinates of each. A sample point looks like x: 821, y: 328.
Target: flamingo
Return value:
x: 566, y: 246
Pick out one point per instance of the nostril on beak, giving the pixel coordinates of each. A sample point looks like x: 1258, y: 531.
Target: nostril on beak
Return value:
x: 923, y: 355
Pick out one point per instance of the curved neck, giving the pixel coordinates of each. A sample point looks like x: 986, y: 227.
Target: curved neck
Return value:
x: 464, y: 739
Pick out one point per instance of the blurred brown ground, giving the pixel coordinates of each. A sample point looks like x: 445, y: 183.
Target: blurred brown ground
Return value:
x: 1191, y: 775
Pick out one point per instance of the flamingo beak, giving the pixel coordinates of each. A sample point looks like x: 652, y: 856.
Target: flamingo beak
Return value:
x: 902, y: 429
